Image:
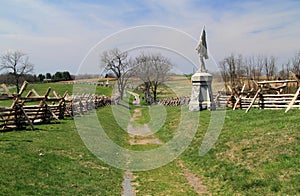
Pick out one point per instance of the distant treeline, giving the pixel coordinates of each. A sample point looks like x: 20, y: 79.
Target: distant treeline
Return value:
x: 58, y: 76
x: 9, y: 78
x: 235, y: 68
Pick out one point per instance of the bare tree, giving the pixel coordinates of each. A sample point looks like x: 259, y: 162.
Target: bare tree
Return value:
x: 259, y: 64
x: 292, y: 65
x: 240, y: 68
x: 161, y: 66
x: 117, y: 62
x: 250, y: 66
x: 295, y: 61
x: 284, y: 72
x: 254, y: 66
x: 232, y: 69
x: 230, y: 61
x: 224, y: 72
x: 17, y: 63
x: 269, y: 67
x: 153, y: 71
x: 143, y: 71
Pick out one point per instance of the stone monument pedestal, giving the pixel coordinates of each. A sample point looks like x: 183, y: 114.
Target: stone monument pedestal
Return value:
x: 201, y: 98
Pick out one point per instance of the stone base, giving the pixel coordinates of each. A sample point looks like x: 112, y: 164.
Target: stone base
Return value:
x: 199, y: 106
x: 201, y: 98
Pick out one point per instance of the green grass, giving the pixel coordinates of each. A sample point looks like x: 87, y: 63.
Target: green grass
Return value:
x: 110, y: 124
x: 53, y: 161
x: 256, y: 154
x: 145, y: 117
x: 61, y: 88
x: 166, y: 180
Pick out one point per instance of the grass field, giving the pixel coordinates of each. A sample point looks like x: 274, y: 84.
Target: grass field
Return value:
x: 256, y: 154
x: 60, y: 88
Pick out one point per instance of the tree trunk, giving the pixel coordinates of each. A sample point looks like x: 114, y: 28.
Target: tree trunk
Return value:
x: 154, y: 93
x: 147, y: 93
x: 17, y: 83
x: 120, y: 88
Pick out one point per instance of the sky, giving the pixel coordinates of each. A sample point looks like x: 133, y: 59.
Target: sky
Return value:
x: 63, y: 35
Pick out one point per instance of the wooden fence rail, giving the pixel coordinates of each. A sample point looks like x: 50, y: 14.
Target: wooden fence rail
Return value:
x: 174, y: 101
x: 261, y: 100
x: 25, y: 111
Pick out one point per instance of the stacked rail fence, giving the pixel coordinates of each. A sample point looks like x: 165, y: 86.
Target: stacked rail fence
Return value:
x: 35, y: 109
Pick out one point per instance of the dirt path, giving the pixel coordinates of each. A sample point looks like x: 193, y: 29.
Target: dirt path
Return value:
x: 136, y: 98
x: 128, y: 189
x: 193, y: 180
x: 140, y: 134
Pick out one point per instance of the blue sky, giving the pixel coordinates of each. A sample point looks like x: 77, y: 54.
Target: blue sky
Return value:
x: 57, y: 35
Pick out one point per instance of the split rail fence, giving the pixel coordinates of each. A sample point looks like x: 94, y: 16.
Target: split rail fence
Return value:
x: 262, y: 98
x: 34, y: 108
x: 174, y: 101
x: 266, y: 96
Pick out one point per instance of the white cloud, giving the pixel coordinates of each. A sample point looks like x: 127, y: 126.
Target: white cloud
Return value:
x: 56, y: 35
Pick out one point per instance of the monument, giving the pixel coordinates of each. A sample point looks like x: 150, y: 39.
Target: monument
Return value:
x: 202, y: 98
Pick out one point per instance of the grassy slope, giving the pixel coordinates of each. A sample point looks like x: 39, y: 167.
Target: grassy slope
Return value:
x: 53, y: 160
x: 61, y: 88
x: 256, y: 153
